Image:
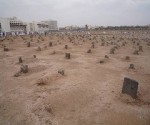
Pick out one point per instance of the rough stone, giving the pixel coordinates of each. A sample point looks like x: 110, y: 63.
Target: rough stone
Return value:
x: 61, y: 72
x: 34, y: 56
x: 131, y: 66
x: 93, y: 46
x: 127, y: 57
x: 6, y: 49
x: 28, y: 44
x: 89, y: 51
x: 106, y: 56
x: 24, y: 68
x: 66, y: 46
x: 141, y: 48
x: 101, y: 61
x: 20, y: 60
x: 50, y: 44
x: 67, y: 55
x: 17, y: 74
x: 112, y: 51
x: 39, y: 48
x: 136, y: 52
x: 54, y: 52
x: 102, y: 44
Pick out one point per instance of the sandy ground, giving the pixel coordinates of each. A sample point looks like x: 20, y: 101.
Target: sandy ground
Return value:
x: 88, y: 94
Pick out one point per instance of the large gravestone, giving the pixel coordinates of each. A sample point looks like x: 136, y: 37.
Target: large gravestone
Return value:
x: 130, y: 87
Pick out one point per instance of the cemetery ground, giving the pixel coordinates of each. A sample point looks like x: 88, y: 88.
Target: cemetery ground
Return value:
x: 74, y: 79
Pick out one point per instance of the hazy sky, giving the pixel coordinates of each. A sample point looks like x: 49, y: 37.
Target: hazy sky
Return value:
x: 79, y: 12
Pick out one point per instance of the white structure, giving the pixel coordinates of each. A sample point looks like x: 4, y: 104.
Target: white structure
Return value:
x: 39, y: 27
x: 52, y: 25
x: 12, y: 26
x: 16, y: 27
x: 42, y: 27
x: 4, y: 25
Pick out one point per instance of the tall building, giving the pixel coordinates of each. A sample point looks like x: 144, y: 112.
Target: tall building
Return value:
x: 12, y: 26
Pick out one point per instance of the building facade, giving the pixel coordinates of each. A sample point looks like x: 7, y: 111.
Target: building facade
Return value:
x: 52, y: 25
x: 12, y: 26
x: 38, y: 27
x: 42, y: 27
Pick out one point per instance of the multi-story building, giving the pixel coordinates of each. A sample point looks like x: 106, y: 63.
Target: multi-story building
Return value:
x: 42, y: 27
x: 39, y: 27
x: 12, y: 26
x: 52, y: 25
x: 16, y: 27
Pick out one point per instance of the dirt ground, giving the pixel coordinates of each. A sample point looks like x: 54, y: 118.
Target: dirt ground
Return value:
x: 89, y: 93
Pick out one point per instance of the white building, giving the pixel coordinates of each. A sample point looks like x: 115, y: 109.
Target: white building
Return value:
x: 12, y: 26
x: 39, y: 27
x: 42, y: 27
x: 4, y: 25
x: 16, y: 27
x: 52, y: 25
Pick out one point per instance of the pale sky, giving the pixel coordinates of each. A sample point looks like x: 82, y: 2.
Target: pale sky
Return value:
x: 79, y: 12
